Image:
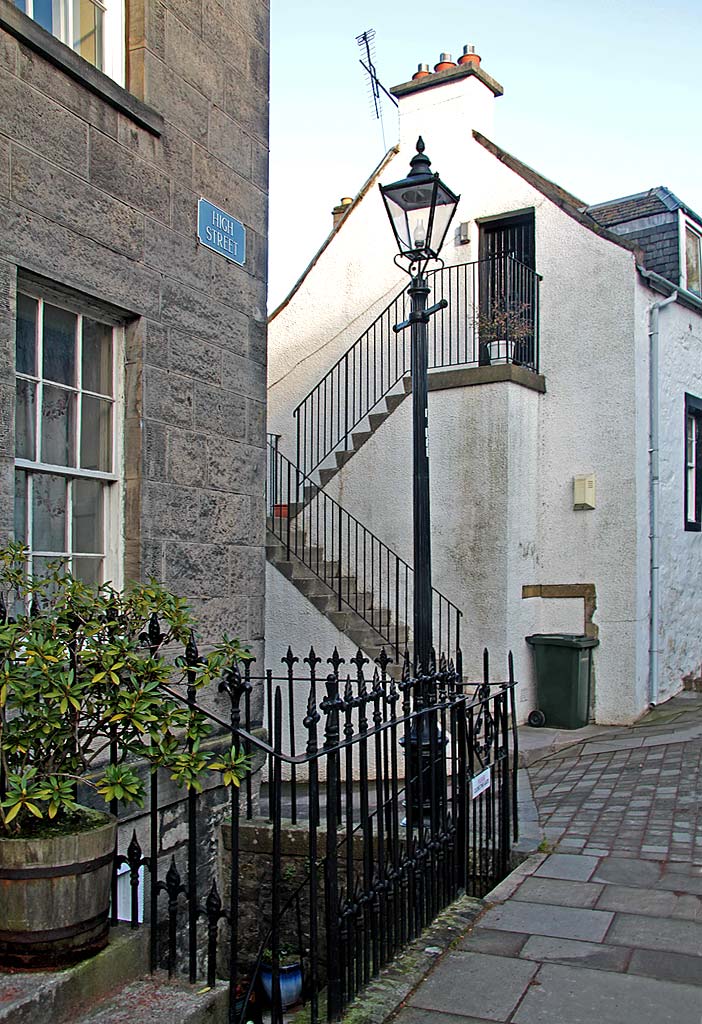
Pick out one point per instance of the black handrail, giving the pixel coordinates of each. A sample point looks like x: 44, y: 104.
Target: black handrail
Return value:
x: 492, y: 316
x: 365, y: 575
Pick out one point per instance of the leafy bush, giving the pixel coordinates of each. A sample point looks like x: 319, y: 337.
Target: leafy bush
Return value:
x: 84, y: 668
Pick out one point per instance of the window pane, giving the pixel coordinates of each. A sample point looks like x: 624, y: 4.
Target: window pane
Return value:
x: 97, y: 357
x: 87, y: 516
x: 89, y: 570
x: 96, y: 434
x: 692, y: 256
x: 49, y: 513
x: 59, y: 345
x: 25, y: 421
x: 21, y: 507
x: 26, y: 335
x: 87, y: 28
x: 22, y: 5
x: 43, y: 13
x: 58, y: 427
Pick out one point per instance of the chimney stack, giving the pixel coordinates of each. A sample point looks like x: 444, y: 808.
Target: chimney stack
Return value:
x: 445, y: 62
x: 469, y: 56
x: 339, y: 211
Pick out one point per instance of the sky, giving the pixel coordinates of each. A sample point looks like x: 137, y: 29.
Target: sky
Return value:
x: 603, y: 98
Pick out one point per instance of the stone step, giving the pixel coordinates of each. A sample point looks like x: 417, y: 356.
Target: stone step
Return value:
x: 376, y: 418
x: 342, y: 457
x: 58, y: 997
x: 359, y: 438
x: 156, y: 1000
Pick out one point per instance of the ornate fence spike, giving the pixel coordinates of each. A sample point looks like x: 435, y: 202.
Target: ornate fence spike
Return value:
x: 335, y: 661
x: 312, y: 660
x: 510, y: 668
x: 192, y: 655
x: 213, y: 904
x: 406, y: 666
x: 383, y: 660
x: 290, y: 659
x: 359, y: 661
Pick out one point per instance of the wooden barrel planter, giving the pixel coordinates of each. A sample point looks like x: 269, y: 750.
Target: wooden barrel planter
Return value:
x: 55, y: 896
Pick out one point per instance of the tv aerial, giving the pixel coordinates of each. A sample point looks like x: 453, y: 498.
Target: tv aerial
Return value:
x: 376, y: 90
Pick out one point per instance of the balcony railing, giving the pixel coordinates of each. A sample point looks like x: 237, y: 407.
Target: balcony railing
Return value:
x: 492, y: 317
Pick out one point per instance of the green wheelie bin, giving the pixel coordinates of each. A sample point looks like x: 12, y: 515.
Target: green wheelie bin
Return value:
x: 563, y: 668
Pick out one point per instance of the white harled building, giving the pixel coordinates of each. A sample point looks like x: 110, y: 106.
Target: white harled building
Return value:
x: 564, y: 420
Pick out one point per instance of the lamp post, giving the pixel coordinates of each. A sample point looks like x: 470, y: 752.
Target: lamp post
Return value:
x: 420, y: 208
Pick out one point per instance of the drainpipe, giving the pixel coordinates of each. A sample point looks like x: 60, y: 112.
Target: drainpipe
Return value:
x: 653, y: 492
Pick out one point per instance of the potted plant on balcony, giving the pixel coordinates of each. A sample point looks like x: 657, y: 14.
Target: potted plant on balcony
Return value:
x: 81, y: 703
x: 505, y: 332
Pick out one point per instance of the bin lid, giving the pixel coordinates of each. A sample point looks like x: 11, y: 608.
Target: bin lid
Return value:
x: 573, y: 640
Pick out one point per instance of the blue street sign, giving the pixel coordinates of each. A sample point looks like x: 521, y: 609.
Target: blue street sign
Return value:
x: 221, y: 232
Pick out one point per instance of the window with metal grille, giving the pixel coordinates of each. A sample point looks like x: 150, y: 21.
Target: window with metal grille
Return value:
x: 93, y: 28
x: 693, y: 463
x: 66, y: 452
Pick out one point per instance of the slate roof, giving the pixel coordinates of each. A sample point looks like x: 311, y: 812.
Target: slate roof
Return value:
x: 643, y: 204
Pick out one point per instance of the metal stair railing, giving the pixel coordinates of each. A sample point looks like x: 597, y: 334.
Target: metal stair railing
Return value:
x: 492, y: 316
x: 366, y: 576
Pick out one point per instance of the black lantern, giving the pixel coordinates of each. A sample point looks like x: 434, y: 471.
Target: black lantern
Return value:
x: 420, y: 208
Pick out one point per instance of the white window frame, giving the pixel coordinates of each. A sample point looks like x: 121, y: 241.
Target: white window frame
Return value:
x: 686, y: 224
x: 113, y: 495
x: 113, y: 32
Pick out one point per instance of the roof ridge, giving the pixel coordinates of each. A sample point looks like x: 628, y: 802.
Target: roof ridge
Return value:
x: 561, y: 198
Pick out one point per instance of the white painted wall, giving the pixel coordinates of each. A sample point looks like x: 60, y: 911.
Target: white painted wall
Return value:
x: 503, y: 458
x: 680, y: 637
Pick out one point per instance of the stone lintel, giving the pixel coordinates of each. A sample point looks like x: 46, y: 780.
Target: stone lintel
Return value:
x: 586, y: 591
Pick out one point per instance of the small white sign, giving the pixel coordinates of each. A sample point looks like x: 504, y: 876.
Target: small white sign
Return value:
x: 479, y: 783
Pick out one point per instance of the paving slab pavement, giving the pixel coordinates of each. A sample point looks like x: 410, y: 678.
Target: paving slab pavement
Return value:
x: 607, y: 928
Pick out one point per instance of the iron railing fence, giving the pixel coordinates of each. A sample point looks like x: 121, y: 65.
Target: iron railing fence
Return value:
x: 403, y: 794
x: 365, y: 575
x: 492, y: 317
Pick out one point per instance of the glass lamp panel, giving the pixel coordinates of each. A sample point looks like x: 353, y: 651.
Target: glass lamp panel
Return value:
x: 87, y: 507
x: 48, y: 513
x: 20, y: 524
x: 442, y: 218
x: 59, y: 345
x: 96, y: 364
x: 96, y: 434
x: 58, y: 427
x: 400, y: 225
x: 26, y: 335
x: 25, y: 420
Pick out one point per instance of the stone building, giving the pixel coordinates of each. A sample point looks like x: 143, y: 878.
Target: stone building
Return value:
x: 132, y: 356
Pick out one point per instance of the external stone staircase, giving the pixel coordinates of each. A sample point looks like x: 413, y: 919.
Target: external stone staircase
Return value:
x: 365, y: 430
x: 358, y: 626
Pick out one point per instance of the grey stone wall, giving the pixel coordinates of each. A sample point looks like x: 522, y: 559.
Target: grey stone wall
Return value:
x: 99, y: 204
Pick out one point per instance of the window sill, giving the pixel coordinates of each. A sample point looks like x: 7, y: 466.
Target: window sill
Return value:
x: 61, y: 56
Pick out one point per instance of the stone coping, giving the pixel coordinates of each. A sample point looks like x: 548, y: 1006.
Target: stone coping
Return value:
x: 470, y: 376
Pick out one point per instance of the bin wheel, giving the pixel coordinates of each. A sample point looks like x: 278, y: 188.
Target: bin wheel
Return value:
x: 537, y: 719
